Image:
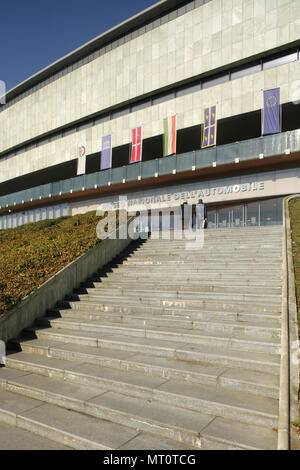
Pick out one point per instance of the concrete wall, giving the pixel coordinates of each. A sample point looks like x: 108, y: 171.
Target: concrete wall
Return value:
x: 56, y: 288
x: 34, y: 215
x: 215, y: 34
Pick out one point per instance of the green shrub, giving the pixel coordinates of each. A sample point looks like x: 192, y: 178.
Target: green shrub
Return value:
x: 294, y: 207
x: 32, y: 253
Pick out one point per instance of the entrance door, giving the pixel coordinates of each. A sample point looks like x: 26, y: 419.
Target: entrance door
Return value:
x: 224, y: 217
x: 211, y: 218
x: 237, y: 216
x: 252, y: 214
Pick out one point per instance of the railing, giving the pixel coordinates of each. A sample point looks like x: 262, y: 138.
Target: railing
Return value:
x: 252, y: 149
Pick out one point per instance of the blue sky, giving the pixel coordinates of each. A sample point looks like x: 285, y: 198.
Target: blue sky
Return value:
x: 35, y: 33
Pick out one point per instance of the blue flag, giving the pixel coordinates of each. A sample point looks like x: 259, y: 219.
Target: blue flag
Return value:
x: 106, y: 153
x: 272, y: 112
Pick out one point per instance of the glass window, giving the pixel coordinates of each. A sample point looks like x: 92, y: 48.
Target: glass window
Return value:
x: 252, y: 214
x: 245, y: 71
x: 224, y: 217
x: 85, y: 125
x: 120, y: 112
x: 101, y: 119
x: 211, y: 218
x: 186, y: 89
x: 140, y: 105
x: 271, y: 212
x: 215, y: 81
x: 164, y: 97
x: 280, y: 60
x: 68, y: 132
x: 237, y: 216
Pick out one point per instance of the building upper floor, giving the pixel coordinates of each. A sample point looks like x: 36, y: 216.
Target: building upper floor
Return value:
x: 164, y: 48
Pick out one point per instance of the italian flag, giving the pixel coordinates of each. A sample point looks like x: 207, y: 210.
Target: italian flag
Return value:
x: 169, y: 136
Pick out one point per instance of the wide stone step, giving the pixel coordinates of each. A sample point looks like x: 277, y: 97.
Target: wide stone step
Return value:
x: 254, y: 242
x: 267, y: 297
x: 13, y: 438
x: 202, y: 274
x: 204, y: 249
x: 232, y: 261
x: 123, y: 286
x: 214, y: 266
x: 228, y: 356
x: 245, y: 380
x: 238, y: 406
x: 233, y: 328
x: 185, y: 283
x: 157, y: 311
x: 235, y: 340
x: 205, y: 303
x: 237, y: 311
x: 230, y: 245
x: 164, y: 420
x: 67, y: 427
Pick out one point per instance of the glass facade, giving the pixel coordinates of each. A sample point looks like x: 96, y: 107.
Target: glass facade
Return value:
x: 248, y: 214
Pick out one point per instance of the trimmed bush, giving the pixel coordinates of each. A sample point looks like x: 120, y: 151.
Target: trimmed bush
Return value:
x: 33, y: 253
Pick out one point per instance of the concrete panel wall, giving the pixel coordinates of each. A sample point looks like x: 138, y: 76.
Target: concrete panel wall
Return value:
x: 215, y: 34
x: 238, y: 96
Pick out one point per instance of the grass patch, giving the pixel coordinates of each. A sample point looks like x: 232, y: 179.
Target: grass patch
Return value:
x: 294, y: 207
x: 33, y: 253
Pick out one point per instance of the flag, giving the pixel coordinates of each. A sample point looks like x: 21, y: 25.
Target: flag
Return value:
x: 210, y: 127
x: 170, y: 135
x: 271, y: 112
x: 136, y: 146
x: 106, y: 154
x: 81, y: 165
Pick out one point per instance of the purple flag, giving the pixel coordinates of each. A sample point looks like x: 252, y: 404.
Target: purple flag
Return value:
x: 209, y: 127
x: 271, y: 112
x: 106, y: 153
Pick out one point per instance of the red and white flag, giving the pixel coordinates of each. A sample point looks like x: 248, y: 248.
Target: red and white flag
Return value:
x: 136, y: 146
x: 170, y: 135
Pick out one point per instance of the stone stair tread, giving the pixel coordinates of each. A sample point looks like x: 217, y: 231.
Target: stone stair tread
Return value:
x: 150, y: 385
x: 138, y: 337
x: 13, y: 438
x: 138, y: 407
x: 183, y: 332
x: 96, y: 431
x: 250, y: 436
x: 124, y: 359
x: 65, y: 334
x: 186, y: 285
x: 107, y: 308
x: 273, y: 298
x: 112, y: 299
x: 193, y: 289
x: 77, y: 314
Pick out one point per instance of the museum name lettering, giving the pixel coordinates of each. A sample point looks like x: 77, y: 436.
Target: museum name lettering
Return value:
x: 199, y: 193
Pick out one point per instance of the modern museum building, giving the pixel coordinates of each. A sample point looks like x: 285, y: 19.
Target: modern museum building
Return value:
x: 186, y: 100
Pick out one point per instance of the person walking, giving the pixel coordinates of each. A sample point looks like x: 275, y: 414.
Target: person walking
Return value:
x: 201, y: 215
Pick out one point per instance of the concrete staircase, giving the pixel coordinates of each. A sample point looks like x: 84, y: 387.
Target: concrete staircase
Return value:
x: 167, y: 348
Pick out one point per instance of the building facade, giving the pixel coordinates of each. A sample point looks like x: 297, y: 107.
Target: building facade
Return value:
x: 176, y: 58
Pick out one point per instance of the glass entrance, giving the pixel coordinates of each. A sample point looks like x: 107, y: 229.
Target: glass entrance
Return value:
x: 251, y: 214
x: 237, y: 216
x: 224, y: 217
x: 271, y: 212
